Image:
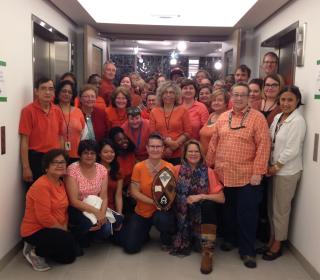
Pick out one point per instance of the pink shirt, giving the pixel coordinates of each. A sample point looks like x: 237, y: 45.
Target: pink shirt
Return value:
x: 198, y: 114
x: 87, y: 186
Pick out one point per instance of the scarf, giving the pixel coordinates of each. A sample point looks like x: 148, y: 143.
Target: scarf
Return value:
x: 190, y: 182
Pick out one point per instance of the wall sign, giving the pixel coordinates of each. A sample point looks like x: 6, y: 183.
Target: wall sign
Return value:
x: 3, y: 96
x: 317, y: 94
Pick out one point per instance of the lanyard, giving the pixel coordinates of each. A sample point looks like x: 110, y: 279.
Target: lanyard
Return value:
x: 65, y: 121
x: 241, y: 122
x: 139, y: 136
x: 165, y: 119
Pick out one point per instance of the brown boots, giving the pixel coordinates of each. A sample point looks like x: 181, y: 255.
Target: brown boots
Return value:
x: 208, y: 238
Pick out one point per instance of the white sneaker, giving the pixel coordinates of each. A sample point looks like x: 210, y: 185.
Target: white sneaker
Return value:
x: 27, y: 247
x: 38, y: 263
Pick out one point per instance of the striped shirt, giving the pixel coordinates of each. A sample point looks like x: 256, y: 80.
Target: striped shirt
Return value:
x: 237, y: 154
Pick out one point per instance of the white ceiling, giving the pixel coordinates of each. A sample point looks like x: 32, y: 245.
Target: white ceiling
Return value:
x: 201, y: 41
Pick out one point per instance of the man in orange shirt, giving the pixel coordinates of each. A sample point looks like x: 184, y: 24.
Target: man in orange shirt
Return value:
x: 40, y: 130
x: 136, y: 232
x: 137, y: 129
x: 239, y: 151
x: 107, y: 86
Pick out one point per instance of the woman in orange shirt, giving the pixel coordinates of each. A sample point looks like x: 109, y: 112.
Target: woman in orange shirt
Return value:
x: 73, y: 120
x: 198, y: 192
x: 219, y: 101
x: 146, y: 214
x: 117, y: 112
x: 171, y: 120
x: 44, y: 225
x: 198, y: 112
x: 133, y: 89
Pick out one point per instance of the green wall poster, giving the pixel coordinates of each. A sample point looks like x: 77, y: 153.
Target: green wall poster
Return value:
x: 3, y: 95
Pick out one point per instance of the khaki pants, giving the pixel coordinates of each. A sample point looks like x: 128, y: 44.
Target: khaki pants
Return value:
x: 280, y: 195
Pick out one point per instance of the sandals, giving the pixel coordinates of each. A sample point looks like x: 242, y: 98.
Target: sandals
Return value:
x: 271, y: 256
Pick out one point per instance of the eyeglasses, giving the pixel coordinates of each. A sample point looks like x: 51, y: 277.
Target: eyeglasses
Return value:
x: 271, y: 86
x: 236, y: 95
x: 269, y: 62
x: 58, y: 162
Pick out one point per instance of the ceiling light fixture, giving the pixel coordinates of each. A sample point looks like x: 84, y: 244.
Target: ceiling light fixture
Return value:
x: 136, y: 50
x: 218, y: 65
x: 169, y: 13
x: 182, y: 45
x: 173, y: 61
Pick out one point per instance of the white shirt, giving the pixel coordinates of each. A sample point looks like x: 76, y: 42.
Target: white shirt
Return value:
x: 288, y: 143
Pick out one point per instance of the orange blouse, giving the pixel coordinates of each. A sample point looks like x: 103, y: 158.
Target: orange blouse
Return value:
x: 116, y: 117
x: 173, y: 126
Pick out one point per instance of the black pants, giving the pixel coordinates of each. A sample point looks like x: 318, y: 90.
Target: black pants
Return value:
x: 136, y: 231
x: 54, y: 243
x: 240, y: 216
x: 35, y: 162
x: 208, y: 212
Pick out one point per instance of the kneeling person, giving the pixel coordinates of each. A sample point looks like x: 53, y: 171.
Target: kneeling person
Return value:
x: 146, y: 212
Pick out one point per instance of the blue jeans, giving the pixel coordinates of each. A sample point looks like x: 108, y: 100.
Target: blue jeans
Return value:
x: 240, y: 216
x: 80, y: 226
x: 136, y: 232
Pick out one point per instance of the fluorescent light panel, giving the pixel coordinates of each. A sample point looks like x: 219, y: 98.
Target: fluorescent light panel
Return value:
x: 218, y: 13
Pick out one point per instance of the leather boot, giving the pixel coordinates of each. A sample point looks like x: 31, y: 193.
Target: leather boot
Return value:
x: 208, y: 238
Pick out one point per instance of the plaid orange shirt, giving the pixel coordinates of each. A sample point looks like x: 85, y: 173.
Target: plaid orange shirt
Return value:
x: 237, y: 154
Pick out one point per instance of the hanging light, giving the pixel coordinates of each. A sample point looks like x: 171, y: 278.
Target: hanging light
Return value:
x: 136, y: 50
x: 173, y: 61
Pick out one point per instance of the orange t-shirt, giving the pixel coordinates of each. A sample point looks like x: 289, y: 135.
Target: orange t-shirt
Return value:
x: 142, y: 176
x: 43, y: 129
x: 46, y: 205
x: 116, y: 117
x: 145, y: 114
x: 174, y: 126
x: 135, y: 99
x: 198, y: 114
x: 72, y: 129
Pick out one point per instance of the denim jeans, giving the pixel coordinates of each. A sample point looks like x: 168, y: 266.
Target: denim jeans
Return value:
x: 136, y: 231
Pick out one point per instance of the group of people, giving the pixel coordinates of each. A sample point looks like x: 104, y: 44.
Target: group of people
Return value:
x: 89, y: 162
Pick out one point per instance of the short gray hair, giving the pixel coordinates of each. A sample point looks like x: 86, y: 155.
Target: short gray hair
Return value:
x: 164, y: 87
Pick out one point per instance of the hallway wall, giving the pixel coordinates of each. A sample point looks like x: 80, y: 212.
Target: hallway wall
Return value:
x: 305, y: 225
x: 16, y: 51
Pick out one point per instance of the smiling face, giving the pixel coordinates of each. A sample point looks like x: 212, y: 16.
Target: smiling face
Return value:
x: 270, y: 64
x: 151, y: 101
x: 204, y: 95
x: 193, y: 154
x: 219, y: 104
x: 288, y: 102
x: 240, y: 98
x: 155, y: 148
x: 255, y: 92
x: 121, y: 101
x: 88, y: 157
x: 134, y: 121
x: 88, y: 98
x: 241, y: 76
x: 45, y: 92
x: 169, y: 96
x: 109, y: 72
x: 65, y: 94
x: 57, y: 167
x: 121, y: 140
x: 271, y: 88
x: 107, y: 154
x: 188, y: 92
x: 126, y: 82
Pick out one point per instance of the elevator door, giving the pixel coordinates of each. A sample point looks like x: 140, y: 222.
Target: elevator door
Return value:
x: 41, y: 51
x: 286, y: 62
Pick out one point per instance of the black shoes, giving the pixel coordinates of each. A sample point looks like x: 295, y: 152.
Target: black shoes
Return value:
x: 249, y: 261
x: 262, y: 250
x: 226, y: 246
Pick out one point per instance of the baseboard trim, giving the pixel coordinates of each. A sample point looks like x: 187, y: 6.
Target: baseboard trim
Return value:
x: 10, y: 255
x: 309, y: 268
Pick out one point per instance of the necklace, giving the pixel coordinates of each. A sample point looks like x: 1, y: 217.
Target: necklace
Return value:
x: 167, y: 118
x: 241, y: 122
x: 264, y: 109
x: 154, y: 169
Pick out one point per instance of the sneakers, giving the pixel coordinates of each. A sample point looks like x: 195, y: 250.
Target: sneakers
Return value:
x: 27, y: 247
x: 38, y: 263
